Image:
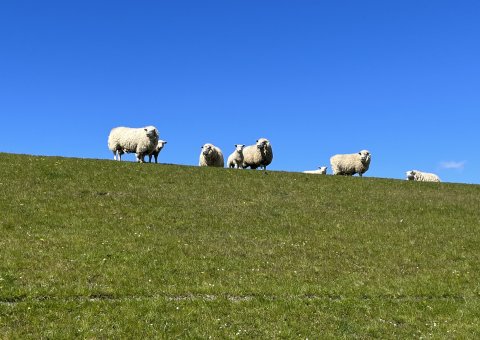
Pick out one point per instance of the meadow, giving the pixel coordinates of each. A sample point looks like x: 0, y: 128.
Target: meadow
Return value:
x: 103, y: 249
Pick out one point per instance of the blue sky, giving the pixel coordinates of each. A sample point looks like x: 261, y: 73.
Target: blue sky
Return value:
x: 399, y: 78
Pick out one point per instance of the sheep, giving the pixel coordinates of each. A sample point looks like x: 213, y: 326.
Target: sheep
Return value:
x: 235, y: 160
x: 415, y: 175
x: 258, y: 155
x: 322, y: 170
x: 156, y: 151
x: 141, y: 141
x: 351, y: 164
x: 211, y: 156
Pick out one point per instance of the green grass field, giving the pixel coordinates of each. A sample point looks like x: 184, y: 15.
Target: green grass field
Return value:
x: 102, y: 249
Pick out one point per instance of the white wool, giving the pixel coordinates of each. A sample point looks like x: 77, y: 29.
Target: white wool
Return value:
x: 322, y: 170
x: 416, y: 175
x: 211, y: 156
x: 235, y: 160
x: 140, y: 141
x: 258, y: 155
x: 351, y: 164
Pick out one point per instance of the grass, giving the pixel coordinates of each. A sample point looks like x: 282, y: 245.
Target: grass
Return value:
x: 102, y: 249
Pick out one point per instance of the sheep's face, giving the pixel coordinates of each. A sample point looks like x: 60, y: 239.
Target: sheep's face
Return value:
x: 239, y: 147
x: 364, y: 156
x: 262, y: 143
x: 410, y: 175
x: 322, y: 168
x: 207, y: 149
x: 151, y: 132
x: 161, y: 144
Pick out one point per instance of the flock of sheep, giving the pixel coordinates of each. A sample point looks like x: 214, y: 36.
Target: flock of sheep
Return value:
x: 145, y: 142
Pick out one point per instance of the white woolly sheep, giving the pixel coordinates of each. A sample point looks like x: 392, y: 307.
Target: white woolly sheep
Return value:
x: 351, y: 164
x: 415, y: 175
x: 156, y: 151
x: 211, y: 156
x: 235, y: 160
x: 141, y: 141
x: 322, y: 170
x: 258, y: 155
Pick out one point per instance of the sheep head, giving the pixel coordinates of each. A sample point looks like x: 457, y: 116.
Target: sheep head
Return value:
x: 239, y: 147
x: 151, y: 132
x: 410, y: 175
x: 365, y: 156
x: 207, y: 149
x: 161, y: 144
x: 262, y: 143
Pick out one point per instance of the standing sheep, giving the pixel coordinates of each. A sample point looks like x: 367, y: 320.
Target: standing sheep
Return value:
x: 156, y: 151
x: 351, y: 164
x: 141, y: 141
x: 415, y: 175
x: 322, y: 170
x: 235, y: 160
x: 258, y: 155
x: 211, y: 156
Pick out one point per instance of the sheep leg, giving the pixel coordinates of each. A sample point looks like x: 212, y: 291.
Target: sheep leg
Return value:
x: 117, y: 155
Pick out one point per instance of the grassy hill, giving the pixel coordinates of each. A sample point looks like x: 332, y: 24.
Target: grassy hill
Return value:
x: 102, y: 249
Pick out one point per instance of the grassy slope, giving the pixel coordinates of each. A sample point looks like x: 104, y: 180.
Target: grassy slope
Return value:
x: 96, y: 248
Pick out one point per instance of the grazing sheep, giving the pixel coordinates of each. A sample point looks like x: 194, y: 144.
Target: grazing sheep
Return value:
x: 141, y: 141
x: 235, y: 160
x: 211, y: 156
x: 351, y: 164
x: 322, y: 170
x: 415, y: 175
x: 156, y: 151
x: 258, y: 155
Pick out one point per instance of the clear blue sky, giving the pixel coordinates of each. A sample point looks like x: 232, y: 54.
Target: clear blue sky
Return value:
x: 399, y: 78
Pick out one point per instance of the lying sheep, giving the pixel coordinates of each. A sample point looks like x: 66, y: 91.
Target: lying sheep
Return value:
x: 211, y: 156
x: 351, y: 164
x: 235, y: 160
x: 322, y: 170
x: 156, y: 151
x: 415, y: 175
x: 258, y: 155
x: 141, y: 141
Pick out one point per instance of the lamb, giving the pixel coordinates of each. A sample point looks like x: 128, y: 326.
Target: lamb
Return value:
x: 322, y: 170
x: 211, y: 156
x: 235, y: 160
x: 351, y: 164
x: 156, y: 151
x: 258, y: 155
x: 141, y: 141
x: 415, y: 175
